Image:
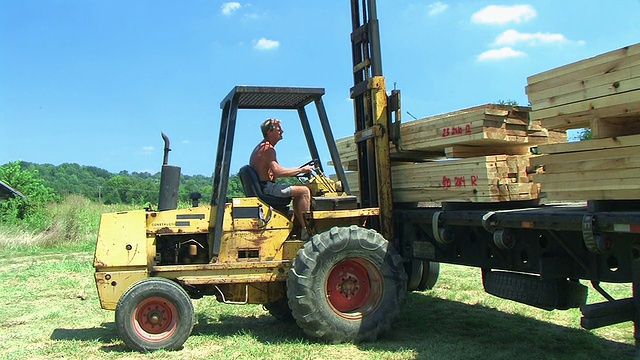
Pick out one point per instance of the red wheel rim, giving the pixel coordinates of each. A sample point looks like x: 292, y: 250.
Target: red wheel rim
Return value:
x: 155, y: 318
x: 353, y: 284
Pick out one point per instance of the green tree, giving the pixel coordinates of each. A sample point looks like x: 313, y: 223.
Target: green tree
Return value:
x: 585, y: 134
x: 235, y: 188
x: 132, y: 188
x: 32, y: 207
x: 507, y: 102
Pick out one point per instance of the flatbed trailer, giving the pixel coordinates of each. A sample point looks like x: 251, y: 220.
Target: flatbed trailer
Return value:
x: 530, y: 252
x: 535, y: 254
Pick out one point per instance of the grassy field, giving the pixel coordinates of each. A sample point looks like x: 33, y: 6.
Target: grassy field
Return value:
x: 49, y: 309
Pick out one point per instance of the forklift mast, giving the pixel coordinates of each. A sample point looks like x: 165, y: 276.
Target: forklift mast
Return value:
x: 372, y: 115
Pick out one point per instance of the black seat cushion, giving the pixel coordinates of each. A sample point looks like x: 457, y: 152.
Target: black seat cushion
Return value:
x: 252, y: 187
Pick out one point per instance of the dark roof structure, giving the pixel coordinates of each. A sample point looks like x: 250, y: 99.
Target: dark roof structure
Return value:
x: 7, y: 192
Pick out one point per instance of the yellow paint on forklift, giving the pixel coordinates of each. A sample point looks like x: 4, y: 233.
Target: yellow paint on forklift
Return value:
x: 112, y: 284
x: 338, y: 214
x: 188, y: 220
x: 122, y: 240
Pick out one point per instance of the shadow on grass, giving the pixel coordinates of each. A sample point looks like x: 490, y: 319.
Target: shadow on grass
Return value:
x: 433, y: 327
x: 106, y: 334
x: 265, y: 328
x: 430, y: 327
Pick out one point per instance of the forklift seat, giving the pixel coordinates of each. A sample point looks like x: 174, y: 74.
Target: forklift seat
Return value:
x: 252, y: 187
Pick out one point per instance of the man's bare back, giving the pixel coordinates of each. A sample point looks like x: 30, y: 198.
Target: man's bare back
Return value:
x: 263, y: 160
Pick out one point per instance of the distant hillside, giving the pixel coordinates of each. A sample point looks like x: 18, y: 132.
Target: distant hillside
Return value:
x: 124, y: 187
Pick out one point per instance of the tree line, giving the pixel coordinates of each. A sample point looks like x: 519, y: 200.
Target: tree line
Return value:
x: 110, y: 188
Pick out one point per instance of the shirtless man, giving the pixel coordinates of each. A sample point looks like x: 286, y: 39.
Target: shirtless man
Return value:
x: 263, y: 161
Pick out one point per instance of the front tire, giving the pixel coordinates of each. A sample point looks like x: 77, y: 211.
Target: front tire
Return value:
x: 346, y: 285
x: 154, y: 314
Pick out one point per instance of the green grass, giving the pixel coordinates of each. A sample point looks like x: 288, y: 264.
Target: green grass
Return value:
x: 49, y: 309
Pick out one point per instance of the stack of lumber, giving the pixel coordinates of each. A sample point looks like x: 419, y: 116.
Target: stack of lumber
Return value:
x: 478, y: 131
x: 492, y: 127
x: 493, y: 178
x: 601, y: 93
x: 479, y: 154
x: 598, y: 169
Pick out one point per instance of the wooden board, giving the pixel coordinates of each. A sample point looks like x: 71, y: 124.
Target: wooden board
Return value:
x: 489, y: 129
x: 594, y: 144
x: 567, y: 158
x: 600, y: 64
x: 481, y: 179
x: 590, y: 165
x: 616, y: 105
x: 467, y: 151
x: 599, y: 169
x: 603, y: 128
x: 605, y: 85
x: 601, y: 93
x: 594, y: 194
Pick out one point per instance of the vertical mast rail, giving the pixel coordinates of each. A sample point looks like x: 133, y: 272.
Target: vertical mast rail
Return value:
x: 371, y: 115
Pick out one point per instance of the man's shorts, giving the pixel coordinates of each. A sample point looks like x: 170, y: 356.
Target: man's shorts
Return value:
x: 277, y: 190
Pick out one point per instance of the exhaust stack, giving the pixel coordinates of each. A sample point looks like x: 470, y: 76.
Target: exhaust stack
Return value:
x: 169, y: 181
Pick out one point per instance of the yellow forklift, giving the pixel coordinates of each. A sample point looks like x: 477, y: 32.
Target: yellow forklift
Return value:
x: 346, y: 283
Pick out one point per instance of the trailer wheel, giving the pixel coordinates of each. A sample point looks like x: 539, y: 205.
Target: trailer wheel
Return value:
x: 430, y: 273
x: 414, y: 269
x: 154, y: 314
x: 347, y: 284
x: 423, y: 274
x: 280, y: 309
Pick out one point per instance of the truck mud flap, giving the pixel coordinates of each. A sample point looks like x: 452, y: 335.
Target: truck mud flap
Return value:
x: 530, y: 289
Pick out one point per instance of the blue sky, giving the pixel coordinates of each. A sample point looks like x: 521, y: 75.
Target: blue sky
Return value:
x: 95, y: 82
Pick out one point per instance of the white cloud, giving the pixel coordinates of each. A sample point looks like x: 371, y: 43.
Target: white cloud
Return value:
x: 266, y: 44
x: 229, y: 8
x: 437, y: 8
x: 500, y: 14
x: 252, y: 16
x: 511, y: 37
x: 498, y: 54
x: 147, y: 149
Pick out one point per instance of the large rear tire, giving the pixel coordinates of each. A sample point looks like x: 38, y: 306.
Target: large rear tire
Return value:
x: 347, y: 284
x: 154, y: 314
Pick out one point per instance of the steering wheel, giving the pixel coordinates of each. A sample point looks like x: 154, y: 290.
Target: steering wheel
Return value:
x: 307, y: 175
x: 310, y: 162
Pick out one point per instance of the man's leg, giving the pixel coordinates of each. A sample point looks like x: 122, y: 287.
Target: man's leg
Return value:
x: 301, y: 202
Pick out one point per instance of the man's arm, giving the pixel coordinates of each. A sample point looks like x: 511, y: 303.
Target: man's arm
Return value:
x: 281, y: 171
